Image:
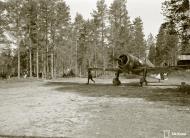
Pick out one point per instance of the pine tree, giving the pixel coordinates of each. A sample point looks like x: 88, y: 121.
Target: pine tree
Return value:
x: 101, y: 16
x: 139, y: 46
x: 119, y: 28
x: 3, y: 21
x: 160, y: 44
x: 59, y: 28
x: 16, y: 24
x: 166, y: 47
x: 3, y: 24
x: 177, y: 15
x: 152, y: 48
x: 30, y: 8
x: 78, y: 26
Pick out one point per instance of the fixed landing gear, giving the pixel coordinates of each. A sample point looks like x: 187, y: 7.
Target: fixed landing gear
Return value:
x: 143, y: 79
x: 116, y: 81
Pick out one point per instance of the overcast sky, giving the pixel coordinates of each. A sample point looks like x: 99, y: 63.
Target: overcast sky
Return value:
x: 148, y: 10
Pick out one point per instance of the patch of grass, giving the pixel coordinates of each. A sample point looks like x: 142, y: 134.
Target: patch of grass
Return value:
x: 184, y: 89
x: 171, y: 96
x: 180, y: 74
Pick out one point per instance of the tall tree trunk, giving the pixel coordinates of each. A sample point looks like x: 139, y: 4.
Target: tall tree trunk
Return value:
x: 47, y: 48
x: 18, y: 42
x: 47, y: 59
x: 30, y: 52
x: 37, y: 62
x: 102, y: 41
x: 95, y: 56
x: 44, y: 65
x: 76, y: 66
x: 30, y: 55
x: 55, y: 63
x: 18, y: 61
x: 52, y: 66
x: 113, y: 54
x: 80, y: 71
x: 53, y: 48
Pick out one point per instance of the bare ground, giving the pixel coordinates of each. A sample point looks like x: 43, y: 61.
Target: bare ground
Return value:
x: 69, y: 107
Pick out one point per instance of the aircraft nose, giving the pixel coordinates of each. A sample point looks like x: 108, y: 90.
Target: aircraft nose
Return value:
x: 123, y: 59
x: 120, y: 61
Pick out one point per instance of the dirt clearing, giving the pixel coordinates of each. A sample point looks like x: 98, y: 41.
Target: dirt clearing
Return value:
x: 70, y: 108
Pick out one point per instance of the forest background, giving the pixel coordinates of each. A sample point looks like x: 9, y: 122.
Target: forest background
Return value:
x: 38, y: 38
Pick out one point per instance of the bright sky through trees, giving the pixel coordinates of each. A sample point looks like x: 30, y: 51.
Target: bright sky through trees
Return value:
x: 148, y: 10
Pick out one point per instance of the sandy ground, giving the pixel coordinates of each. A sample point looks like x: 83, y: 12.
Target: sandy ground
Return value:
x: 70, y: 108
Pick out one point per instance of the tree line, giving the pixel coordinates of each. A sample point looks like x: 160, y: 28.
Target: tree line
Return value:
x: 39, y: 38
x: 173, y: 37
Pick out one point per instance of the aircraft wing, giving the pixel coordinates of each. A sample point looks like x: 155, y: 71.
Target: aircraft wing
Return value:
x: 150, y: 70
x: 104, y: 69
x: 167, y: 69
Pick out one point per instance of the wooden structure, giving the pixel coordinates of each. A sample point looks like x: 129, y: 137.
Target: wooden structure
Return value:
x: 184, y: 59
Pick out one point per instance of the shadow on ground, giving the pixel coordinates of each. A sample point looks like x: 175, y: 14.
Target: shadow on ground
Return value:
x: 171, y: 96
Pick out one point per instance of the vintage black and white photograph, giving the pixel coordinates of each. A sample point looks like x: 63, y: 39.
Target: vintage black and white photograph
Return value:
x: 94, y: 69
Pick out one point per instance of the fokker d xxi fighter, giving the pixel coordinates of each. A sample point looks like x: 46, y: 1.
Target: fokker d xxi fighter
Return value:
x: 128, y: 63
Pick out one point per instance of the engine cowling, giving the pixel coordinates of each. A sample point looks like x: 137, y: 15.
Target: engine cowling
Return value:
x: 129, y: 62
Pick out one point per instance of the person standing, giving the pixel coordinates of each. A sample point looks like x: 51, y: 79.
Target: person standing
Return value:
x: 90, y: 77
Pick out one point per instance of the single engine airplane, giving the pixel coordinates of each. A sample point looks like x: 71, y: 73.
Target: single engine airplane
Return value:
x: 128, y: 63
